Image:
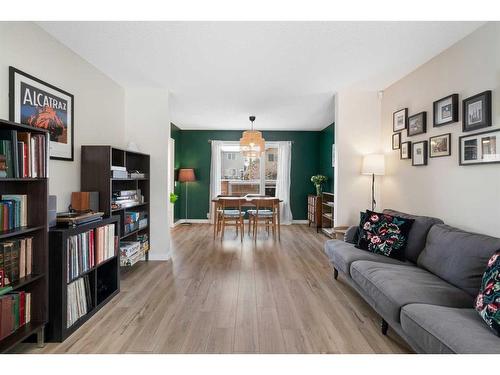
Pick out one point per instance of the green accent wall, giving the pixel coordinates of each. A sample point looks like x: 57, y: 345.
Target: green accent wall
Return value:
x: 326, y: 140
x: 193, y: 151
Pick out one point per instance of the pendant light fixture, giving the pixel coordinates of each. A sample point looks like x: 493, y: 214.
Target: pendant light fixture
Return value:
x: 251, y: 142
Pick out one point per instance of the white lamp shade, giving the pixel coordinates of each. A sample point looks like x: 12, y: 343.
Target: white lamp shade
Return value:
x: 373, y: 164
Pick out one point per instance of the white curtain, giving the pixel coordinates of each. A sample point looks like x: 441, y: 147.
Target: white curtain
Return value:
x: 283, y: 181
x: 215, y: 174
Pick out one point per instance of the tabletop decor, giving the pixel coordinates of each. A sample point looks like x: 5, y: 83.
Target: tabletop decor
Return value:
x: 318, y: 180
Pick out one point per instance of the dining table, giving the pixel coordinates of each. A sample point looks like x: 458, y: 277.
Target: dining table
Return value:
x: 246, y: 201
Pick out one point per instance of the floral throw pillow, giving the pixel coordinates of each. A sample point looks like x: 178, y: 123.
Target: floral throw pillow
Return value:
x: 488, y: 300
x: 384, y: 234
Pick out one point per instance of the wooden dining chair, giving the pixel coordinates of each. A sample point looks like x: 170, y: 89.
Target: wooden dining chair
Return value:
x: 265, y: 214
x: 228, y: 214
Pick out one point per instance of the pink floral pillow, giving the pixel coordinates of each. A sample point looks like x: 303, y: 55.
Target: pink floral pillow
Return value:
x: 384, y: 234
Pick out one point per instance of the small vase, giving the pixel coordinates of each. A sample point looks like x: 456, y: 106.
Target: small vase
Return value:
x: 318, y: 190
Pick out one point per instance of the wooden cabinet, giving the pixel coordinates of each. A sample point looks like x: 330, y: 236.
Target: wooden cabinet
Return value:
x: 314, y: 211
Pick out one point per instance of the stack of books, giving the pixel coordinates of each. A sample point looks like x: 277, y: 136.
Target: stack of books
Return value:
x: 126, y: 198
x: 80, y: 254
x: 16, y: 260
x: 143, y: 239
x: 130, y: 253
x: 24, y: 154
x: 15, y: 312
x: 13, y: 211
x: 105, y: 242
x: 79, y: 300
x: 118, y: 172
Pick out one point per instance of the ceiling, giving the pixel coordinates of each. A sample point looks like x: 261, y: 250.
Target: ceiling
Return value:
x: 285, y: 73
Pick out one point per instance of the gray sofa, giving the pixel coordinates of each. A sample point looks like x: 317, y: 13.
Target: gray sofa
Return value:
x: 427, y: 299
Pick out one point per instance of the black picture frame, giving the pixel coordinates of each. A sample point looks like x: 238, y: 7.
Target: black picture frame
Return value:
x: 406, y: 144
x: 447, y: 152
x: 475, y: 136
x: 398, y: 135
x: 485, y: 99
x: 395, y: 127
x: 423, y: 118
x: 453, y: 99
x: 60, y: 102
x: 424, y: 151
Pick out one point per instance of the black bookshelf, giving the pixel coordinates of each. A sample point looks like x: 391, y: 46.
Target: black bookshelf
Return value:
x: 104, y: 279
x: 96, y: 176
x: 37, y: 284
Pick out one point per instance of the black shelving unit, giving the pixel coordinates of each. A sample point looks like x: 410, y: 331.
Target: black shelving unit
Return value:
x: 104, y: 278
x: 96, y: 176
x: 37, y: 283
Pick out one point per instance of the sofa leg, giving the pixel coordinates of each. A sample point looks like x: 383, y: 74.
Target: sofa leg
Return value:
x: 384, y: 326
x: 335, y: 273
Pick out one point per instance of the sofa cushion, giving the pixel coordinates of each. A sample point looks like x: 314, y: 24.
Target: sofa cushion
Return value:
x: 458, y: 257
x: 439, y: 329
x: 392, y: 286
x: 342, y: 254
x: 384, y: 234
x: 488, y: 300
x: 418, y: 232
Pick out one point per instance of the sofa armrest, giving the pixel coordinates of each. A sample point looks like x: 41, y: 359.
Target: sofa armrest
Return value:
x: 351, y: 235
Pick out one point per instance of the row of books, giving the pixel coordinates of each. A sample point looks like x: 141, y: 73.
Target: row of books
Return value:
x: 135, y: 220
x: 87, y: 249
x: 126, y: 198
x: 13, y: 211
x: 80, y: 254
x: 79, y: 300
x: 23, y: 154
x: 16, y: 260
x: 15, y: 311
x: 121, y: 172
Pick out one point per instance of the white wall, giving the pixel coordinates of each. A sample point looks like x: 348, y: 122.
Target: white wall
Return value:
x: 99, y: 101
x: 464, y: 196
x: 357, y: 133
x: 148, y: 125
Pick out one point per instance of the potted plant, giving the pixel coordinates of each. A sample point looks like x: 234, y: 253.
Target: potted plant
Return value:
x: 318, y: 180
x: 173, y: 198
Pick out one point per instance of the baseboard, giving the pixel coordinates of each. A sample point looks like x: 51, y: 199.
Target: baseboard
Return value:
x: 193, y: 221
x: 300, y: 222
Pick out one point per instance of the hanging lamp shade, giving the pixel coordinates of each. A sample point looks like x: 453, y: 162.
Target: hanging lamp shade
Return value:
x: 251, y: 142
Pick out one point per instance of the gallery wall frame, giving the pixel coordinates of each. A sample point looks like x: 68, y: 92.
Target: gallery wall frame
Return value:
x: 417, y: 124
x: 472, y: 148
x: 419, y: 153
x: 476, y: 111
x: 445, y: 111
x: 440, y: 145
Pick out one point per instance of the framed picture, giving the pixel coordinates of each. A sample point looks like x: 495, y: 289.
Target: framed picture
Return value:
x: 42, y: 105
x: 479, y: 148
x: 396, y: 141
x: 406, y: 150
x: 417, y: 124
x: 440, y: 145
x: 399, y: 120
x: 419, y: 153
x: 445, y: 110
x: 476, y: 112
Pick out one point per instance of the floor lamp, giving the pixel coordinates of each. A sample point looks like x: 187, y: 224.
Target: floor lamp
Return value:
x: 373, y: 165
x: 186, y: 175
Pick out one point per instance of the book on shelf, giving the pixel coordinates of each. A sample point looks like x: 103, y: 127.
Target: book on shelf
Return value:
x: 80, y: 254
x: 25, y: 154
x: 135, y: 220
x: 13, y: 211
x: 130, y: 253
x: 105, y: 242
x: 126, y: 198
x: 79, y: 299
x: 15, y: 312
x: 16, y: 259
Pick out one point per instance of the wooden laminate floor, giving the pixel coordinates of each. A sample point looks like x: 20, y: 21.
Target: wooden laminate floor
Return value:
x: 227, y: 297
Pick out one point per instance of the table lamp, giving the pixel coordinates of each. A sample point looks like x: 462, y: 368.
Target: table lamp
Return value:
x: 374, y: 165
x: 186, y: 175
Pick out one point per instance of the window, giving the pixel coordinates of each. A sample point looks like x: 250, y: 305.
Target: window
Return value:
x: 241, y: 175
